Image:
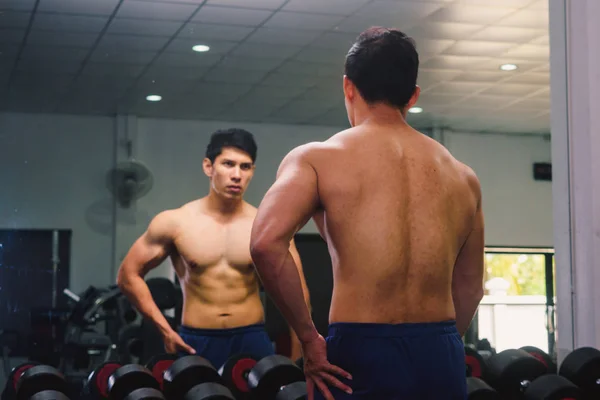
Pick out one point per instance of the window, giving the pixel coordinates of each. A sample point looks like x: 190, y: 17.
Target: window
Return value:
x: 518, y: 299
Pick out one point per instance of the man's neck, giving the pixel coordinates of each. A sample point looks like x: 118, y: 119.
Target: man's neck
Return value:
x: 378, y: 114
x: 221, y: 206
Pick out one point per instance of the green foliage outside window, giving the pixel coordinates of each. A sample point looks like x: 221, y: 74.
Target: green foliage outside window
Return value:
x: 524, y: 272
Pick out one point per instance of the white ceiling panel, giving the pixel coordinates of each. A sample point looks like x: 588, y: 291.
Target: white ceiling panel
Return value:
x: 443, y: 30
x: 534, y: 103
x: 154, y: 11
x: 429, y: 77
x: 335, y: 40
x: 92, y: 7
x: 17, y: 5
x: 281, y: 79
x: 10, y: 35
x: 251, y: 63
x: 508, y: 34
x: 292, y: 37
x: 8, y: 51
x: 539, y: 78
x: 219, y: 32
x: 512, y: 89
x: 223, y: 92
x: 320, y: 55
x: 485, y: 102
x: 101, y: 55
x: 479, y: 76
x: 158, y: 71
x: 66, y: 66
x: 45, y: 53
x: 299, y: 109
x: 325, y: 97
x: 231, y: 16
x: 295, y: 67
x: 542, y: 40
x: 168, y: 59
x: 526, y: 19
x: 455, y: 62
x: 430, y: 47
x: 470, y: 14
x: 111, y: 70
x: 69, y: 23
x: 275, y: 94
x: 524, y: 65
x: 478, y: 48
x: 293, y: 20
x: 141, y: 27
x: 232, y: 75
x: 54, y: 38
x: 528, y: 51
x: 185, y: 46
x: 167, y: 87
x: 262, y: 50
x: 337, y: 7
x: 503, y: 3
x: 460, y: 88
x: 124, y: 43
x: 336, y: 117
x: 264, y: 4
x: 272, y: 60
x: 398, y: 12
x: 538, y: 5
x: 14, y: 19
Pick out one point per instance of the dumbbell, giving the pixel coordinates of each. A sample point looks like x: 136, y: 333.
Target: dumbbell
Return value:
x: 543, y: 357
x: 582, y: 367
x: 29, y: 380
x: 114, y: 381
x: 516, y: 374
x: 133, y: 382
x: 96, y: 386
x: 277, y: 377
x: 273, y: 377
x: 475, y: 363
x: 194, y: 378
x: 234, y: 373
x: 477, y: 389
x: 159, y: 364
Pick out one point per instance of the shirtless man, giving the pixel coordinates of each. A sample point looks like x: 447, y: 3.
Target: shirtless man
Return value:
x: 404, y: 225
x: 208, y: 242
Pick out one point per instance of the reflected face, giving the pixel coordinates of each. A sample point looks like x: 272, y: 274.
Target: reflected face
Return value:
x: 230, y: 173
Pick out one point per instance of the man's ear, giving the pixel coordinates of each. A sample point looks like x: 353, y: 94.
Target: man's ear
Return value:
x: 207, y: 167
x: 414, y: 98
x: 349, y: 89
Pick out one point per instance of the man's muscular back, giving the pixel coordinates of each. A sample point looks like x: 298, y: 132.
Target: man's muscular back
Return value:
x: 397, y: 209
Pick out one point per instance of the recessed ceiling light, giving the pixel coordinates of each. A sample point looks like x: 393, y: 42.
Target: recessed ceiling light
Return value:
x: 415, y: 110
x: 508, y: 67
x: 201, y: 48
x: 153, y: 97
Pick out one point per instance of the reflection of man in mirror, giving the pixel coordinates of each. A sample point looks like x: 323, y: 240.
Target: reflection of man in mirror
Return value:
x: 208, y: 241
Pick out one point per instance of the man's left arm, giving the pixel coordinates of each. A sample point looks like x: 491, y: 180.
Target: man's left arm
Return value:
x: 286, y: 208
x: 295, y: 345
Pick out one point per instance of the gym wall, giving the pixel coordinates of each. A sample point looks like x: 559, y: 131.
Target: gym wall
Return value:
x: 58, y: 166
x: 518, y: 209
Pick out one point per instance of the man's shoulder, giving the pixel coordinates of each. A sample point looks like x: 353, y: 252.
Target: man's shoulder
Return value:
x: 170, y: 218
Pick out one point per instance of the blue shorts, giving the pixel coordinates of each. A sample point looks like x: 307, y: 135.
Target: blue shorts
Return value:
x: 416, y: 361
x: 217, y: 345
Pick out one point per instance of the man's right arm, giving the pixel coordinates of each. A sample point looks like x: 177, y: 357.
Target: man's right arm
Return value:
x: 148, y: 252
x: 467, y: 279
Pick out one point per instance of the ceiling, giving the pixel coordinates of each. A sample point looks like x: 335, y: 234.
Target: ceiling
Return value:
x: 276, y: 61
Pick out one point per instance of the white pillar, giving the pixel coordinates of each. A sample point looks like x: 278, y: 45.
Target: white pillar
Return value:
x: 575, y: 99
